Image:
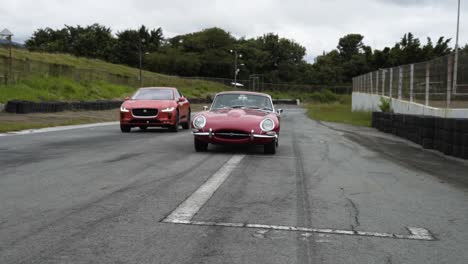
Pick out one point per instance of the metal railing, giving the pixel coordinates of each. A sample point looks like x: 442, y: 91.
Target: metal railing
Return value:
x: 256, y: 84
x: 429, y: 83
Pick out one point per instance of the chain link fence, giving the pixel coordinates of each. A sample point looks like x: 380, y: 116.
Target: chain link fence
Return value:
x: 258, y: 84
x: 429, y: 83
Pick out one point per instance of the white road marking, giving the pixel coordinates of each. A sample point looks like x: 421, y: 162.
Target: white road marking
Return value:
x: 58, y: 128
x: 185, y: 211
x: 415, y: 233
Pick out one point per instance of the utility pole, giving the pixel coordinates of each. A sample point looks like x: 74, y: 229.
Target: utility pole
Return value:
x: 140, y: 76
x: 7, y: 34
x: 455, y: 69
x: 236, y: 70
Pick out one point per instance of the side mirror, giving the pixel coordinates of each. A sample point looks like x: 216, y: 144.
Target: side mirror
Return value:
x: 182, y: 99
x: 279, y: 111
x: 205, y: 108
x: 127, y: 98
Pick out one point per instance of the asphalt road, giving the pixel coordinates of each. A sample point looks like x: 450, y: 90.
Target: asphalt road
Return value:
x: 95, y: 195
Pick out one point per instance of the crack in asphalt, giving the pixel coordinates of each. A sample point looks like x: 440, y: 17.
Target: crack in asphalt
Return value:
x: 354, y: 212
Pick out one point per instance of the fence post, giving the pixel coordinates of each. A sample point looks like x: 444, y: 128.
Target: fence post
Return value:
x: 400, y: 82
x: 371, y: 86
x: 391, y: 82
x: 449, y: 79
x: 427, y: 82
x: 377, y: 83
x: 411, y: 82
x: 383, y: 82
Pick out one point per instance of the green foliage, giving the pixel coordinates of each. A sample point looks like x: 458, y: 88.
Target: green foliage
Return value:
x: 40, y: 88
x: 385, y: 104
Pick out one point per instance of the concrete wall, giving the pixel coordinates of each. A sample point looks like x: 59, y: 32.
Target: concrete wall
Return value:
x: 371, y: 102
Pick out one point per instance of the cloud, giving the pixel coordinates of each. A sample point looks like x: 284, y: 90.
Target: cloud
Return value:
x: 315, y: 24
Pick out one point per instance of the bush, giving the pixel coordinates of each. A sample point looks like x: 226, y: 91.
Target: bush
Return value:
x: 385, y: 105
x: 325, y: 96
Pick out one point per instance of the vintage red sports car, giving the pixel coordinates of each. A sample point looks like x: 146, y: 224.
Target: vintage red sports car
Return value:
x: 155, y: 107
x: 238, y: 118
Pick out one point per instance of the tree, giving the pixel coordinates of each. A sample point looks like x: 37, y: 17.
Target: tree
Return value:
x: 350, y: 45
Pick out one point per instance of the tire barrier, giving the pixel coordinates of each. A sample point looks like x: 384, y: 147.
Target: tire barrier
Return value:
x: 447, y: 135
x: 24, y: 107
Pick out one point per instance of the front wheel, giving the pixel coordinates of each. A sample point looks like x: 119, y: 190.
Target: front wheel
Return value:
x: 186, y: 125
x: 270, y: 148
x: 175, y: 127
x: 125, y: 128
x: 199, y: 145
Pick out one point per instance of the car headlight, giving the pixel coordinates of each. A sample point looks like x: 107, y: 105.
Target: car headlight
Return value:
x: 199, y: 122
x: 267, y: 125
x: 168, y: 109
x: 123, y: 109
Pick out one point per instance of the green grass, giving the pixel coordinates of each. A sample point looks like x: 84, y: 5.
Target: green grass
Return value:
x: 39, y: 88
x: 338, y: 113
x: 120, y: 81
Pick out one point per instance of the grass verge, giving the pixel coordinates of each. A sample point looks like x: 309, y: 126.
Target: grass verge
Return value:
x: 338, y: 113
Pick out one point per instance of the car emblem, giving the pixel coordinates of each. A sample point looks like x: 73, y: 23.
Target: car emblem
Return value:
x: 232, y: 134
x: 144, y: 111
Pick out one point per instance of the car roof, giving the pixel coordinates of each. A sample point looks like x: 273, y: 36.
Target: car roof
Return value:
x: 244, y: 92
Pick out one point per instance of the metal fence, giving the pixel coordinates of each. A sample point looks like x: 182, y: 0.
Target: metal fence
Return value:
x: 258, y: 84
x: 429, y: 83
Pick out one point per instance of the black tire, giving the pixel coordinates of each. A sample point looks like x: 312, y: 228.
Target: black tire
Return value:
x: 270, y: 148
x: 143, y: 127
x: 186, y: 125
x: 200, y: 146
x: 175, y: 127
x: 125, y: 128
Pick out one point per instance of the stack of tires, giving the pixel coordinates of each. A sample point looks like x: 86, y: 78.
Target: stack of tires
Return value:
x: 426, y: 126
x: 447, y: 135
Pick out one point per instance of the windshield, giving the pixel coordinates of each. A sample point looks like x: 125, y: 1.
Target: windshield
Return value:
x: 242, y: 101
x: 154, y: 94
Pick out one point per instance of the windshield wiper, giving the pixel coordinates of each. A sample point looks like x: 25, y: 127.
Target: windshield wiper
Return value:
x: 259, y: 108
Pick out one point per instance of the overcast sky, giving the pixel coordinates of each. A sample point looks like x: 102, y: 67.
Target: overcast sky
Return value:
x: 315, y: 24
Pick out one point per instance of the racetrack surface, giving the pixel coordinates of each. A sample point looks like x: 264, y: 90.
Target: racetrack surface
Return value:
x: 329, y: 195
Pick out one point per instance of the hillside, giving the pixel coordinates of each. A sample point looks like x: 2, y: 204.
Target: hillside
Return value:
x: 47, y: 76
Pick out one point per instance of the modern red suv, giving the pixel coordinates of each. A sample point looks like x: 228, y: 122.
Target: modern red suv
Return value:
x: 155, y: 107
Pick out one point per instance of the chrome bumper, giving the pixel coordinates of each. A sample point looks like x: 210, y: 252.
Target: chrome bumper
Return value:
x: 252, y: 135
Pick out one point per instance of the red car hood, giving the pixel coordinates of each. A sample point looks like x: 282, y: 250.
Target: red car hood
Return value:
x: 130, y: 104
x: 237, y: 119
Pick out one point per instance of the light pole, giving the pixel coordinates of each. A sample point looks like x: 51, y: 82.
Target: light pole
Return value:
x: 140, y: 77
x: 7, y: 34
x: 455, y: 70
x: 236, y: 70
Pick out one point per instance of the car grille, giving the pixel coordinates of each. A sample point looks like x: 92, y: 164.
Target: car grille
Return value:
x: 231, y: 134
x: 146, y: 121
x: 145, y: 112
